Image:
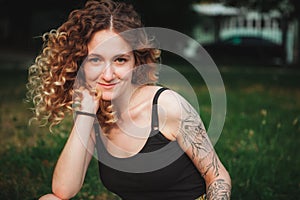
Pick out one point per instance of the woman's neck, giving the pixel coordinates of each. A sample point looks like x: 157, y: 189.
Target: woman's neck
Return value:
x: 128, y: 96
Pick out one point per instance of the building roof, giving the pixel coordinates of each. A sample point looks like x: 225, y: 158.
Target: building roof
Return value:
x: 215, y: 9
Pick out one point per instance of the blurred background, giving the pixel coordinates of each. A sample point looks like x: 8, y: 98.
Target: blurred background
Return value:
x: 255, y: 45
x: 228, y: 29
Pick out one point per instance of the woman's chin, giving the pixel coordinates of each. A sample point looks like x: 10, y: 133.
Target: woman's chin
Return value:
x: 106, y: 97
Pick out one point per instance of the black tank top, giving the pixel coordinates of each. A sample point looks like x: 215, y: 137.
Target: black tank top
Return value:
x: 178, y: 180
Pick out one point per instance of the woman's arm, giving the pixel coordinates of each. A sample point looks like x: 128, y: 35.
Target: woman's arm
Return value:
x: 73, y: 162
x: 184, y: 125
x: 76, y: 155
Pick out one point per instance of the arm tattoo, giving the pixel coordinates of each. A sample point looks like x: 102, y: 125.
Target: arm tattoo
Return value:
x: 194, y: 135
x: 213, y: 165
x: 218, y: 190
x: 193, y: 132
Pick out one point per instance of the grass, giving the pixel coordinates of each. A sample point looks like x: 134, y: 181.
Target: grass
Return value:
x: 262, y: 128
x: 258, y: 146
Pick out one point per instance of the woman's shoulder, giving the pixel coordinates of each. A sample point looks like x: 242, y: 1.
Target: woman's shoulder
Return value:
x: 153, y: 89
x: 169, y: 112
x: 168, y: 99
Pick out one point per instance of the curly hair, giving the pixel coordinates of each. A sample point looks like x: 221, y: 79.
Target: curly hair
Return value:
x: 52, y: 76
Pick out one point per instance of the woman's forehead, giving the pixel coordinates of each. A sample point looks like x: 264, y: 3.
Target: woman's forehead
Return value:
x: 108, y: 42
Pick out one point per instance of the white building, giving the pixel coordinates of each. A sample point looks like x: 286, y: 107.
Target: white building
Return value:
x: 242, y: 22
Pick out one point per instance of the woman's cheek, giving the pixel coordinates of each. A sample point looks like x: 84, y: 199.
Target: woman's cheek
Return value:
x: 92, y: 75
x: 127, y: 73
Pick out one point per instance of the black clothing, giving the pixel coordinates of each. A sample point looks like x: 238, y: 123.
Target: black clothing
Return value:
x: 179, y: 180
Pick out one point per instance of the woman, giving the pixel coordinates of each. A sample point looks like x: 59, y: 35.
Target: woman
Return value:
x: 115, y: 86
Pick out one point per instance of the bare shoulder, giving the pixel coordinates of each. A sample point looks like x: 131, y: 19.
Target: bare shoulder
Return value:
x: 170, y: 101
x: 170, y: 111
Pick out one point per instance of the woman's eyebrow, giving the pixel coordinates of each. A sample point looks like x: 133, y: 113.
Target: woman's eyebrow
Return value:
x: 128, y: 55
x: 94, y: 55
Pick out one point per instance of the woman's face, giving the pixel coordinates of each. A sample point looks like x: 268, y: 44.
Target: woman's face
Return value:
x: 109, y: 64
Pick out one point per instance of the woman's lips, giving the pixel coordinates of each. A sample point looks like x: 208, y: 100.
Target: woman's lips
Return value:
x: 107, y: 85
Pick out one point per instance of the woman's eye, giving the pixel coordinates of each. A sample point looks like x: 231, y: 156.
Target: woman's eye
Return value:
x: 120, y: 60
x: 94, y: 60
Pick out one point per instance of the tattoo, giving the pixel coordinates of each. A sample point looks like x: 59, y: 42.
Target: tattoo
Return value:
x: 194, y: 135
x: 218, y: 190
x: 193, y: 132
x: 213, y: 165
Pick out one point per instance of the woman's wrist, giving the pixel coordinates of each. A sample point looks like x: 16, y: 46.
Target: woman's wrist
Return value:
x: 78, y: 112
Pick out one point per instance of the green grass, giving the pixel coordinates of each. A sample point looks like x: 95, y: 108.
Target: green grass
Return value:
x: 261, y: 134
x: 258, y: 145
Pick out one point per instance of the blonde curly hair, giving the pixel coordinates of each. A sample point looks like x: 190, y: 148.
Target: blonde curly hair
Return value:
x: 52, y: 76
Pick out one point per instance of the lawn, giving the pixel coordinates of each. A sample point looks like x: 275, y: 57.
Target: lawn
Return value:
x: 258, y: 145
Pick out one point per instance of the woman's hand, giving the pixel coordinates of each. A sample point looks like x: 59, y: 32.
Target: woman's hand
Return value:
x: 88, y: 100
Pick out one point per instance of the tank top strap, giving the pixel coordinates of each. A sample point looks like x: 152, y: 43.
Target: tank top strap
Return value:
x: 154, y: 120
x: 154, y: 117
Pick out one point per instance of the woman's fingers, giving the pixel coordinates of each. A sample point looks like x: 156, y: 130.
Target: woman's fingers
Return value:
x: 96, y: 93
x: 87, y: 99
x: 49, y: 197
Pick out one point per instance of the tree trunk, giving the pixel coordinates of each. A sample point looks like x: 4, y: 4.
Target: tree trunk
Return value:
x: 284, y: 29
x: 297, y: 45
x: 217, y: 23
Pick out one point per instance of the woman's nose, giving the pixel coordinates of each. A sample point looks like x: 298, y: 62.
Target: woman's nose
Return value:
x: 108, y: 73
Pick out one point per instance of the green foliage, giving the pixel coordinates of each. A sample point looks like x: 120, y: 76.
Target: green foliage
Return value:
x: 258, y: 146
